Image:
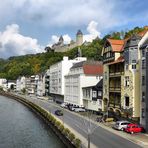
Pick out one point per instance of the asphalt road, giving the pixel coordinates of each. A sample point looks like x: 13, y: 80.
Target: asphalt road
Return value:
x: 100, y: 137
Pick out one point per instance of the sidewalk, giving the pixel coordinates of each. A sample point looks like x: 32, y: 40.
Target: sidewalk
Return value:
x: 138, y: 138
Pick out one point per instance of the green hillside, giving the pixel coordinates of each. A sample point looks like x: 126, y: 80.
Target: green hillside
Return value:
x: 33, y: 64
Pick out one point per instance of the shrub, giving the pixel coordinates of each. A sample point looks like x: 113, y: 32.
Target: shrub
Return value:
x: 109, y: 120
x: 66, y: 131
x: 61, y: 127
x: 57, y: 123
x: 77, y: 143
x: 49, y: 117
x: 71, y: 136
x: 53, y: 120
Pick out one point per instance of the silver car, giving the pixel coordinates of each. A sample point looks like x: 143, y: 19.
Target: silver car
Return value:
x: 120, y: 125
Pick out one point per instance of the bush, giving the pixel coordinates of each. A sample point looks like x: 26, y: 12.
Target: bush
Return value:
x: 109, y: 120
x: 57, y: 124
x: 61, y: 127
x: 77, y: 143
x: 66, y: 131
x: 49, y: 117
x: 71, y: 136
x: 53, y: 120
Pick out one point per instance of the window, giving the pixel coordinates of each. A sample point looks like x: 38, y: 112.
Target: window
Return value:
x: 127, y: 81
x: 94, y: 94
x: 99, y: 93
x: 105, y: 76
x: 134, y: 61
x: 143, y: 113
x: 143, y: 52
x: 126, y: 67
x: 143, y: 64
x: 143, y: 96
x: 143, y: 80
x: 126, y: 101
x: 87, y: 93
x: 133, y: 66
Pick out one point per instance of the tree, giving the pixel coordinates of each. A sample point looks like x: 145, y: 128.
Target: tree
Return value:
x: 88, y: 126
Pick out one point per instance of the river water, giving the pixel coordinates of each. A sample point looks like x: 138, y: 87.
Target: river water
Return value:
x: 21, y: 128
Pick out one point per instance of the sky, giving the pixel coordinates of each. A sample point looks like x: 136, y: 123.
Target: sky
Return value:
x: 28, y: 26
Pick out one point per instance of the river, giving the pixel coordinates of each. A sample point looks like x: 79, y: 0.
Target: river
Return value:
x: 21, y: 128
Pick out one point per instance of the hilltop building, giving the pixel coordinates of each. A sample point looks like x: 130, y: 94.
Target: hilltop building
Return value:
x: 61, y: 47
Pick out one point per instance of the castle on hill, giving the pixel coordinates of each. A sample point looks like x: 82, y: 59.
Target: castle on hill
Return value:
x: 61, y: 47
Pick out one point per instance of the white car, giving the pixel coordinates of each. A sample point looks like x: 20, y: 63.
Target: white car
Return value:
x: 63, y: 105
x: 120, y: 125
x: 79, y: 110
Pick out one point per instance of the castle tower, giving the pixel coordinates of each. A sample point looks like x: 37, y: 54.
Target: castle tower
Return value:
x: 61, y: 40
x: 79, y: 38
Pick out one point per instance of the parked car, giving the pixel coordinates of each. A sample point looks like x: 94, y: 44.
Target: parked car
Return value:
x: 72, y: 108
x: 64, y: 105
x: 59, y: 112
x: 121, y: 125
x: 79, y: 110
x: 134, y: 128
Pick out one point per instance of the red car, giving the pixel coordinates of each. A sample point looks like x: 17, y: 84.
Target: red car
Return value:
x: 134, y: 128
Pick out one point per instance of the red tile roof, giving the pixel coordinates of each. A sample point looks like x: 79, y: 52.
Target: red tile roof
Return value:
x: 142, y: 33
x: 95, y: 68
x: 117, y: 45
x: 119, y: 60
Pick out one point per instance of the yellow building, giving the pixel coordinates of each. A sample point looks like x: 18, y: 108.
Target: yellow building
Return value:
x: 121, y: 81
x: 113, y: 64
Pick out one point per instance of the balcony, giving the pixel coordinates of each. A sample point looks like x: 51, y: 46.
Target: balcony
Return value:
x: 116, y: 74
x: 115, y: 89
x: 115, y: 105
x: 109, y: 59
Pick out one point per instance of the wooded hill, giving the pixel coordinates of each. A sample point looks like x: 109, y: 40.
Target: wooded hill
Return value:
x: 28, y: 65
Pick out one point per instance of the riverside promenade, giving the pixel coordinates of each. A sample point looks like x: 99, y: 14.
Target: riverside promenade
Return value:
x: 102, y: 136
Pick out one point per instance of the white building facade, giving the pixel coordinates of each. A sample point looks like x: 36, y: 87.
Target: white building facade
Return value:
x: 57, y: 74
x: 20, y: 83
x: 80, y: 75
x: 3, y: 83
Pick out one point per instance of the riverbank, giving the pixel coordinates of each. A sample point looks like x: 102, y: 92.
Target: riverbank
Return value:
x: 66, y: 136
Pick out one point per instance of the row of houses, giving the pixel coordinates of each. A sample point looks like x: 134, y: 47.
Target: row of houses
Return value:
x: 77, y: 82
x: 125, y: 77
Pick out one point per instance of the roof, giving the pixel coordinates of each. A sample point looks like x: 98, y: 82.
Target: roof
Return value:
x: 79, y: 32
x: 142, y: 33
x: 132, y: 41
x: 76, y: 65
x: 97, y: 86
x: 93, y: 69
x: 117, y: 45
x: 90, y: 67
x: 119, y: 60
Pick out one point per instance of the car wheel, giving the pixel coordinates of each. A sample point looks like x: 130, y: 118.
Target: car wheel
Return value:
x: 132, y: 132
x: 122, y: 129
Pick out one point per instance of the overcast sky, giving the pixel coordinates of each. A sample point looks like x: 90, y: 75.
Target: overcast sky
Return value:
x: 27, y: 26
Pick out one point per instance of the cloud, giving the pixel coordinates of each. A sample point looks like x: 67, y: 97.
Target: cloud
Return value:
x: 13, y: 43
x: 92, y: 30
x: 108, y: 13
